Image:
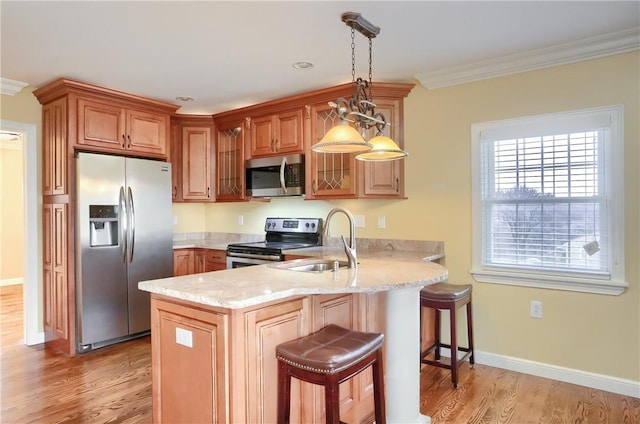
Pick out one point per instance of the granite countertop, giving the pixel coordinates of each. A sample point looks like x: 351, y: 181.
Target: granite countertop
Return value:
x: 243, y: 287
x: 400, y: 250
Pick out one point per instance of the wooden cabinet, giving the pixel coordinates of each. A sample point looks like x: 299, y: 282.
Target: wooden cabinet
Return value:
x: 192, y: 158
x: 280, y: 134
x: 105, y: 125
x: 196, y: 164
x: 183, y: 262
x: 54, y: 148
x: 215, y: 260
x: 248, y: 367
x: 189, y: 374
x: 230, y: 144
x: 56, y: 292
x: 386, y: 178
x: 78, y: 116
x: 196, y: 261
x: 333, y: 175
x: 266, y: 328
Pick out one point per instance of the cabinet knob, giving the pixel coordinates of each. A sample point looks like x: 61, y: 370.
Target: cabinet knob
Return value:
x: 129, y: 140
x: 397, y: 185
x: 208, y: 195
x: 314, y: 187
x: 123, y: 141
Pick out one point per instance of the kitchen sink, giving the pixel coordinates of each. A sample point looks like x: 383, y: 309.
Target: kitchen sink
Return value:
x: 310, y: 265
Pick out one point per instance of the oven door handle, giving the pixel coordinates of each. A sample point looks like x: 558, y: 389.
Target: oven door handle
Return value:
x: 283, y: 165
x: 252, y: 256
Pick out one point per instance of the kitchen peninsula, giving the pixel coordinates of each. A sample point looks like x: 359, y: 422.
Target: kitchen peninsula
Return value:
x: 214, y: 337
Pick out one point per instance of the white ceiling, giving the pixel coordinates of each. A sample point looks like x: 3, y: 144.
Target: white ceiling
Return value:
x: 231, y: 54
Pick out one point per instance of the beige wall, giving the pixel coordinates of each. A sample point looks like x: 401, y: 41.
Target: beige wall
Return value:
x: 11, y: 211
x: 593, y: 333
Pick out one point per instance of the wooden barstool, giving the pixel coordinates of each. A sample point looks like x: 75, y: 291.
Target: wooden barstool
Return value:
x: 444, y: 296
x: 328, y: 357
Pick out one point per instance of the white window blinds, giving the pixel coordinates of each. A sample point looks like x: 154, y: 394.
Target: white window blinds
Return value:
x: 548, y: 196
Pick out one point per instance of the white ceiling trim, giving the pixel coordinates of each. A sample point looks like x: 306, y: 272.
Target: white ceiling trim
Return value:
x: 562, y: 54
x: 11, y: 87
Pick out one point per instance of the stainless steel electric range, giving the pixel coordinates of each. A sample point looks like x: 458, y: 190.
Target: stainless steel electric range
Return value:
x: 281, y: 234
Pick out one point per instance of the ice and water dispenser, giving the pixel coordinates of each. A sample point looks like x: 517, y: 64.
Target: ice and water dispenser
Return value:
x: 103, y: 225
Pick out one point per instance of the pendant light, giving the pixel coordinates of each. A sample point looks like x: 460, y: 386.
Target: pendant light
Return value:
x: 359, y: 110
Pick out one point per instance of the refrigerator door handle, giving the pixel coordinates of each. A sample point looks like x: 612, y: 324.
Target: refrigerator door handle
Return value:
x: 132, y: 224
x: 123, y: 223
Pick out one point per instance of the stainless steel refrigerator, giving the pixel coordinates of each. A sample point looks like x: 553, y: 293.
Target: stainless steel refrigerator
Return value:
x: 123, y: 236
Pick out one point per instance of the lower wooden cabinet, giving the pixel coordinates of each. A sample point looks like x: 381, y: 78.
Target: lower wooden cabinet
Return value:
x: 183, y: 262
x: 196, y: 261
x: 229, y: 373
x: 188, y: 353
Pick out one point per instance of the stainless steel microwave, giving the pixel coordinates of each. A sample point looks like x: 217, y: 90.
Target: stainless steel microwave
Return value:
x: 275, y: 176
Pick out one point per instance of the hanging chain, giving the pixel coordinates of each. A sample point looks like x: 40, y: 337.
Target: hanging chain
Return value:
x: 370, y: 68
x: 353, y: 55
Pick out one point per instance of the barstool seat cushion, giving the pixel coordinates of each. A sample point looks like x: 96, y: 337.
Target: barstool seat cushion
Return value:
x: 442, y: 292
x: 330, y: 350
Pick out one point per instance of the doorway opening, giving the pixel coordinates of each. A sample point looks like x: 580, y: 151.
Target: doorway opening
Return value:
x: 32, y: 223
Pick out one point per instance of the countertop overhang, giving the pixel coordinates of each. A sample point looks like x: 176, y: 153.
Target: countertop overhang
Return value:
x: 249, y: 286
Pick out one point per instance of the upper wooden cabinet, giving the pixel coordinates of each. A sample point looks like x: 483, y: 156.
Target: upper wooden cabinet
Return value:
x: 107, y: 126
x: 54, y: 148
x: 230, y: 143
x: 105, y: 120
x: 385, y: 178
x: 196, y: 163
x: 277, y: 134
x: 333, y: 175
x: 192, y: 158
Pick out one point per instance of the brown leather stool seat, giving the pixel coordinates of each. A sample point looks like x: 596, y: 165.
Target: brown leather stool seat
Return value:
x: 444, y: 296
x: 328, y: 357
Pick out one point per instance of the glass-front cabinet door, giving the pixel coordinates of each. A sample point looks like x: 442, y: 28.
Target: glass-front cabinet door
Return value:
x: 230, y: 161
x: 331, y: 174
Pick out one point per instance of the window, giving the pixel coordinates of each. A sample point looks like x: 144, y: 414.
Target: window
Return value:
x: 548, y: 201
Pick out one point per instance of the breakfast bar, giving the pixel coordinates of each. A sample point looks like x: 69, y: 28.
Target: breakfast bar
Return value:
x: 234, y: 319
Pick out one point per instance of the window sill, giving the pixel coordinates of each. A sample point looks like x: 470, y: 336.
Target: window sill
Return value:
x: 545, y: 281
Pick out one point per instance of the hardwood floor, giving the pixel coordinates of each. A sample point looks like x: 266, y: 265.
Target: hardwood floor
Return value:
x: 113, y: 385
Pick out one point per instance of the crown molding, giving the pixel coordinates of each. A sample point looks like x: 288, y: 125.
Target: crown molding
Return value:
x: 561, y: 54
x: 11, y: 87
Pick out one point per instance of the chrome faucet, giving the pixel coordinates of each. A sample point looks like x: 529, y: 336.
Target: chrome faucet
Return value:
x: 349, y: 249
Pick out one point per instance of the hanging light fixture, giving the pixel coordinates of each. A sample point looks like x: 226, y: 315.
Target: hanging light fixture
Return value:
x: 359, y: 110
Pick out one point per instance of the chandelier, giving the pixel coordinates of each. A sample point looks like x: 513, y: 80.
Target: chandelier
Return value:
x: 357, y: 114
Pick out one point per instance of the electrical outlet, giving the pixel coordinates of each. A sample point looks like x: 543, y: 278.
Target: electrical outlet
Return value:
x: 240, y: 220
x: 382, y: 221
x: 358, y: 221
x: 535, y: 309
x: 184, y: 337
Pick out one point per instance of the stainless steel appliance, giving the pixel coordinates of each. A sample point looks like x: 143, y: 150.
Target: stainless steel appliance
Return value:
x: 123, y: 236
x: 275, y: 176
x: 281, y: 234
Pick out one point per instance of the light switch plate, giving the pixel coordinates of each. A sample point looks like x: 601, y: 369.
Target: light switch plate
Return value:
x: 358, y: 221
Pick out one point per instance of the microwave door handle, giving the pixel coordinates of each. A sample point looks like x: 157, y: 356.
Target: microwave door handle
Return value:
x: 282, y: 168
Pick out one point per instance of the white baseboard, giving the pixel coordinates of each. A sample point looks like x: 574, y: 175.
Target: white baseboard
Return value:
x: 554, y: 372
x: 10, y: 281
